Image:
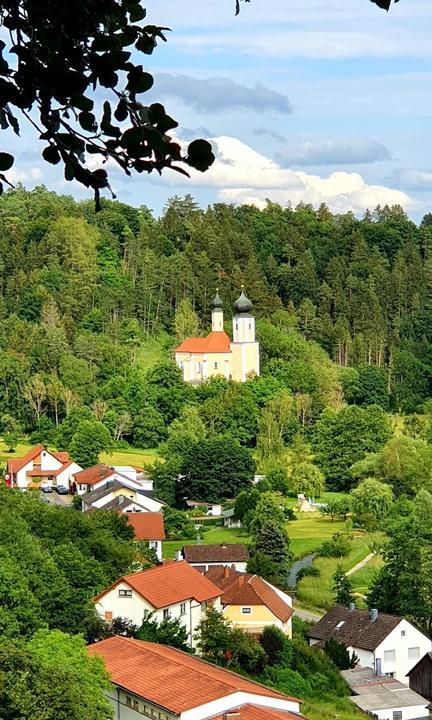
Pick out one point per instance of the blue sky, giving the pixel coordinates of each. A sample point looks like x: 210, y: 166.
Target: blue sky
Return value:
x: 317, y: 100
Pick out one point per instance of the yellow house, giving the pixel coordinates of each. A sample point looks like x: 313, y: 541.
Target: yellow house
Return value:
x: 250, y: 602
x: 203, y: 358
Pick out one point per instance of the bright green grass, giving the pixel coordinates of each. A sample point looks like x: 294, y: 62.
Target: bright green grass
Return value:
x: 132, y: 456
x: 326, y: 709
x: 316, y: 593
x: 151, y: 351
x: 214, y: 535
x: 362, y: 579
x: 310, y: 530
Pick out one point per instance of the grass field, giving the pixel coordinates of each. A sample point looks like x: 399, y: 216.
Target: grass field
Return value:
x: 309, y: 531
x: 362, y: 579
x: 151, y: 351
x: 315, y: 593
x: 208, y: 537
x: 131, y: 456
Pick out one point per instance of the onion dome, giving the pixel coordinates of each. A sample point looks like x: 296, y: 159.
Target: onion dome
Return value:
x: 242, y: 305
x: 217, y: 303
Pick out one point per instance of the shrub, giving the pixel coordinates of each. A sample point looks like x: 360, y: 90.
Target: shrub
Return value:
x: 308, y: 571
x: 338, y: 546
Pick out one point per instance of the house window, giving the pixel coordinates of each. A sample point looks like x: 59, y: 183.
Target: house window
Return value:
x: 108, y: 616
x: 128, y: 701
x: 153, y: 544
x: 215, y: 365
x: 136, y: 705
x: 237, y: 327
x: 246, y: 611
x: 389, y: 655
x: 125, y: 593
x: 166, y: 614
x: 182, y: 608
x: 250, y: 326
x: 413, y: 652
x: 397, y: 714
x: 403, y: 633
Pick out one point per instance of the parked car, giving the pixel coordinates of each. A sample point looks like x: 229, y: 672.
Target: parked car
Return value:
x: 46, y: 487
x: 62, y: 490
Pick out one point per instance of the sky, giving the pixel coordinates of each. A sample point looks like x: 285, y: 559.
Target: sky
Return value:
x: 303, y: 100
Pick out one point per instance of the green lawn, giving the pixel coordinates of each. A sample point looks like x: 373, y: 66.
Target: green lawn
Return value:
x: 309, y: 531
x: 151, y: 351
x: 214, y: 535
x: 132, y: 456
x: 362, y: 579
x: 316, y: 593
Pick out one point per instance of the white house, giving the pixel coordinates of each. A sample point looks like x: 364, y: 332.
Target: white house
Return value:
x: 120, y: 494
x: 174, y: 590
x: 203, y: 557
x: 156, y: 681
x: 41, y: 464
x: 230, y: 520
x: 211, y: 509
x: 383, y: 697
x: 97, y: 476
x: 388, y: 644
x: 148, y: 527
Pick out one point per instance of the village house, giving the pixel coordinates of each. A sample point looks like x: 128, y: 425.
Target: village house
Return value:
x: 97, y: 476
x: 420, y: 676
x: 159, y: 682
x: 41, y: 465
x: 250, y: 602
x: 384, y: 697
x: 148, y: 527
x: 203, y: 358
x: 211, y: 509
x: 388, y: 644
x: 172, y: 590
x: 118, y: 492
x: 230, y: 520
x: 203, y: 557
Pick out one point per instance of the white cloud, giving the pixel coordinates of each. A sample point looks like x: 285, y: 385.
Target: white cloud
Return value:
x: 411, y: 179
x: 245, y: 176
x: 217, y: 94
x: 14, y: 175
x: 335, y: 152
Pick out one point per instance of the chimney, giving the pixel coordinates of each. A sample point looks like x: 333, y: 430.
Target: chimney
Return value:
x: 226, y: 571
x: 352, y: 606
x: 178, y: 555
x: 242, y: 580
x: 235, y: 715
x: 373, y: 614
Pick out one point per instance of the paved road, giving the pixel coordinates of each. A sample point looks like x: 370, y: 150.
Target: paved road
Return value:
x: 360, y: 564
x: 307, y: 615
x: 56, y: 499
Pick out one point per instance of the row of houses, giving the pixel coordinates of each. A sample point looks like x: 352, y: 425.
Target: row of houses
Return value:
x: 393, y: 677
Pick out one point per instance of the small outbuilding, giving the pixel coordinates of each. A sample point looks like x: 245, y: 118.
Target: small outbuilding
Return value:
x: 420, y: 676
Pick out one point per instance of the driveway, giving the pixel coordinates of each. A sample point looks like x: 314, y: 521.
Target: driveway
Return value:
x: 56, y: 499
x: 307, y: 615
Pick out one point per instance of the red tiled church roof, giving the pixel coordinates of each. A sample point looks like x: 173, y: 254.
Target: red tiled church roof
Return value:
x: 215, y: 342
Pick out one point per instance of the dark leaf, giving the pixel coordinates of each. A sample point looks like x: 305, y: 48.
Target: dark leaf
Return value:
x: 132, y: 136
x: 136, y: 13
x: 6, y: 161
x: 200, y: 155
x: 51, y: 155
x: 121, y: 111
x: 139, y: 81
x: 87, y: 121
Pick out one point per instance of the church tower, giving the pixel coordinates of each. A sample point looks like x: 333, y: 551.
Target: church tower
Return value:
x: 244, y: 347
x: 217, y: 313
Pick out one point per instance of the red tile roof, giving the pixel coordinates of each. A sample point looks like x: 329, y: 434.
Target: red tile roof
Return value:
x: 61, y: 456
x: 220, y: 553
x: 17, y: 463
x: 215, y: 342
x: 254, y: 712
x: 170, y: 678
x: 94, y: 474
x: 147, y: 525
x: 246, y: 589
x: 169, y: 584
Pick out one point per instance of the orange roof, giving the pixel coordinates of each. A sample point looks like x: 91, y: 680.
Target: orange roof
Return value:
x: 246, y: 589
x: 170, y: 678
x: 94, y: 474
x: 147, y: 525
x: 61, y: 456
x: 254, y: 712
x: 215, y: 342
x: 17, y: 463
x: 168, y: 584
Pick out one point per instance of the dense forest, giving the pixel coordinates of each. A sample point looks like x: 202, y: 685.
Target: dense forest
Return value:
x: 92, y: 305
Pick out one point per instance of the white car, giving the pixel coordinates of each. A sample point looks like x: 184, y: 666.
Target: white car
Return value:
x: 46, y: 486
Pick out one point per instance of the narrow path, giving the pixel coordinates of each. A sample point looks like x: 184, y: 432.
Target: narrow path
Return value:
x: 307, y: 615
x: 360, y: 564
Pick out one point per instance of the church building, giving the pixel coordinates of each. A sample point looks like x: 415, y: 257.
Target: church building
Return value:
x: 202, y: 358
